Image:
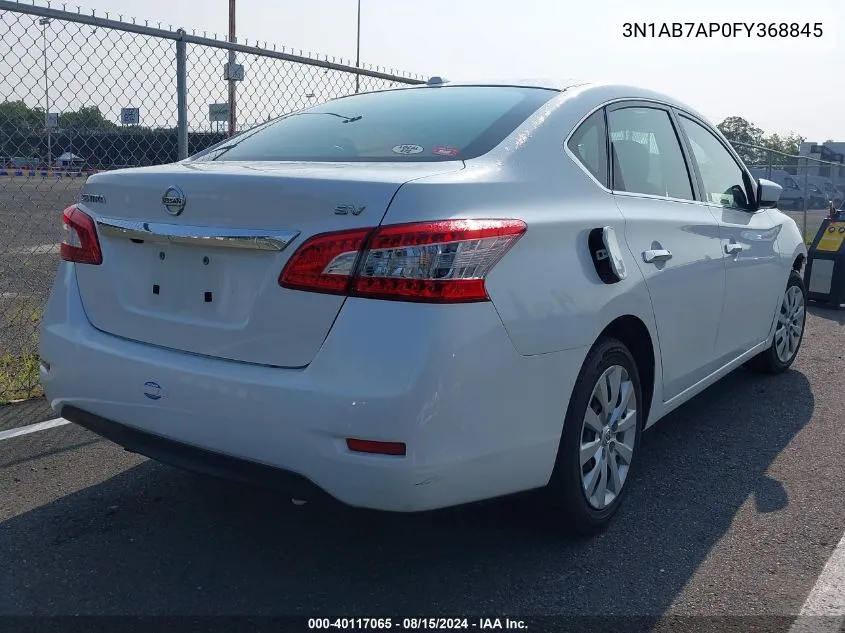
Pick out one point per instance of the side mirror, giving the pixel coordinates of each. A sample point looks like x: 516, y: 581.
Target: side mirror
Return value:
x: 768, y: 194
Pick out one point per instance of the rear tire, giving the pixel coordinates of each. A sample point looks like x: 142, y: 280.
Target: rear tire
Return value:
x: 799, y: 204
x: 599, y: 442
x: 789, y: 330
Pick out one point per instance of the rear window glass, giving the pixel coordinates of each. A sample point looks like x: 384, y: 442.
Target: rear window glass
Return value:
x: 416, y: 124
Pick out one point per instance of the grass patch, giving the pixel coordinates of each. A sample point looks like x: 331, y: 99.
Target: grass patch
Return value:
x: 18, y: 377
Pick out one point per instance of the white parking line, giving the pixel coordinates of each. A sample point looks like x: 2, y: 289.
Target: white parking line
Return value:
x: 38, y: 249
x: 32, y: 428
x: 824, y: 608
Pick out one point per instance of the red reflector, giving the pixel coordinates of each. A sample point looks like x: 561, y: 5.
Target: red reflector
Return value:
x: 372, y: 446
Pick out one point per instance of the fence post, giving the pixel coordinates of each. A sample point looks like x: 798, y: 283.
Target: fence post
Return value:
x: 806, y: 191
x: 768, y: 164
x: 181, y: 96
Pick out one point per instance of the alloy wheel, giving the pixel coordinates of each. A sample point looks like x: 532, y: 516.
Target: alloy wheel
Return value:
x: 790, y: 324
x: 608, y: 436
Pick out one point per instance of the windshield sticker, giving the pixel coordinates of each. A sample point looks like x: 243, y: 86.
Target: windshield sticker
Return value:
x: 445, y: 150
x: 407, y: 149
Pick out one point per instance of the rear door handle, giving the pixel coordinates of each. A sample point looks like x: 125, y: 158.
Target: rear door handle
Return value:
x: 732, y: 248
x: 656, y: 255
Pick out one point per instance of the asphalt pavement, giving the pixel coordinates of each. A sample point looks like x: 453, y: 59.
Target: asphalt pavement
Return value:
x: 736, y: 507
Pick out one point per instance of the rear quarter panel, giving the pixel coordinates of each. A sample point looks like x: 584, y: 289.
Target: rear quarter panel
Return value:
x: 545, y: 289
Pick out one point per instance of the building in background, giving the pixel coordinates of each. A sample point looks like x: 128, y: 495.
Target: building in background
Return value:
x: 829, y: 151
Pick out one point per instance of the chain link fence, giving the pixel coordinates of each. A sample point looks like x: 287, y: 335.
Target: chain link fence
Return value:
x: 809, y: 185
x: 82, y: 93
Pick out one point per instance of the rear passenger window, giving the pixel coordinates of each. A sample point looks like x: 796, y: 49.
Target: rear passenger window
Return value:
x: 646, y: 155
x: 589, y: 144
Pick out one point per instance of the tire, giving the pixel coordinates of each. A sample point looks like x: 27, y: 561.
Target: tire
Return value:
x: 791, y: 319
x: 799, y: 204
x: 567, y: 493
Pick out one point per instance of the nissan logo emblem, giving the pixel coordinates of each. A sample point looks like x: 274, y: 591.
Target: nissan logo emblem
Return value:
x: 173, y: 200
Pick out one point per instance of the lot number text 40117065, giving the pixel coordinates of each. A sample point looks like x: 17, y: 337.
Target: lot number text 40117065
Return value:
x: 414, y: 624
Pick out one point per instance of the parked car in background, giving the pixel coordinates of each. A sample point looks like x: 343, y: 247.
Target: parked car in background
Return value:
x: 425, y: 296
x: 793, y: 195
x: 816, y: 197
x: 830, y: 191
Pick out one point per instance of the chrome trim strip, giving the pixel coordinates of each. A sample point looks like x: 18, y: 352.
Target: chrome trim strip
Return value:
x: 156, y: 232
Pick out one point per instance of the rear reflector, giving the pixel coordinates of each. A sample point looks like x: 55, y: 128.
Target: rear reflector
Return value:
x: 436, y: 262
x: 81, y: 244
x: 378, y: 448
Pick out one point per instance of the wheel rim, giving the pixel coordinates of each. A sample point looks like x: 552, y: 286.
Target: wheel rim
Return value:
x: 608, y: 436
x: 790, y: 325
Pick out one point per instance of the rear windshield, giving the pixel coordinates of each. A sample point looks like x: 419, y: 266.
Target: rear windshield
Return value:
x: 415, y: 124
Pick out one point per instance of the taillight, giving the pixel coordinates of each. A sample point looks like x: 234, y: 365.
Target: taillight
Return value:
x: 325, y: 263
x: 80, y: 244
x: 438, y: 262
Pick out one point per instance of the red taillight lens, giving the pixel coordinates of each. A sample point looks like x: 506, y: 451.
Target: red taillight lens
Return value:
x: 435, y: 262
x: 325, y: 263
x: 444, y: 261
x: 80, y: 244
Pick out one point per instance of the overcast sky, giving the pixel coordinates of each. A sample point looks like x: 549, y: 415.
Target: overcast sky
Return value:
x: 781, y: 84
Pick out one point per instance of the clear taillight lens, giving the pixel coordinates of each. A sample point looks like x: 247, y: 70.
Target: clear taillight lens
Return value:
x: 437, y: 262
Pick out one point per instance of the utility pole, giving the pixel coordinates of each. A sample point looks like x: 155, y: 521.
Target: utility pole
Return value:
x: 358, y: 51
x: 232, y: 83
x: 44, y: 22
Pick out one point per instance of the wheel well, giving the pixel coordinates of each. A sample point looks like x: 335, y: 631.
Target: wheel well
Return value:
x: 633, y: 333
x: 798, y: 264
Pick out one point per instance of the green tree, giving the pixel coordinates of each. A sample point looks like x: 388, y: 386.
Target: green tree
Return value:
x: 785, y: 148
x: 752, y: 143
x: 738, y: 130
x: 86, y: 118
x: 17, y: 115
x: 742, y: 134
x: 18, y: 124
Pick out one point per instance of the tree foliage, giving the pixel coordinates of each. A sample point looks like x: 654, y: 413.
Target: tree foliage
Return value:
x: 752, y: 143
x: 86, y: 118
x: 17, y: 117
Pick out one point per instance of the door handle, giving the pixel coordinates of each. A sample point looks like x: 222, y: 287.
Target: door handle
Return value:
x: 731, y: 248
x: 656, y: 255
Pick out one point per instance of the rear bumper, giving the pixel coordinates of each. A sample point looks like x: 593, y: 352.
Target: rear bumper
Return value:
x: 479, y: 420
x: 191, y: 458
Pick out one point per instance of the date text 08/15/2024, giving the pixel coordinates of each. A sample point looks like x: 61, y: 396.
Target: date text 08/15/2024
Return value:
x: 415, y: 624
x: 723, y: 29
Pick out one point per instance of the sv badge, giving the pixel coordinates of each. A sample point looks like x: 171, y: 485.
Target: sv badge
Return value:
x: 347, y: 209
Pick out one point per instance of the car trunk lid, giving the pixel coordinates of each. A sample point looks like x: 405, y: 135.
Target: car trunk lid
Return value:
x: 192, y: 252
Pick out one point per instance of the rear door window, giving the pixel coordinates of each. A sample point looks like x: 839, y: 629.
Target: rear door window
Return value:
x: 414, y: 124
x: 646, y: 155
